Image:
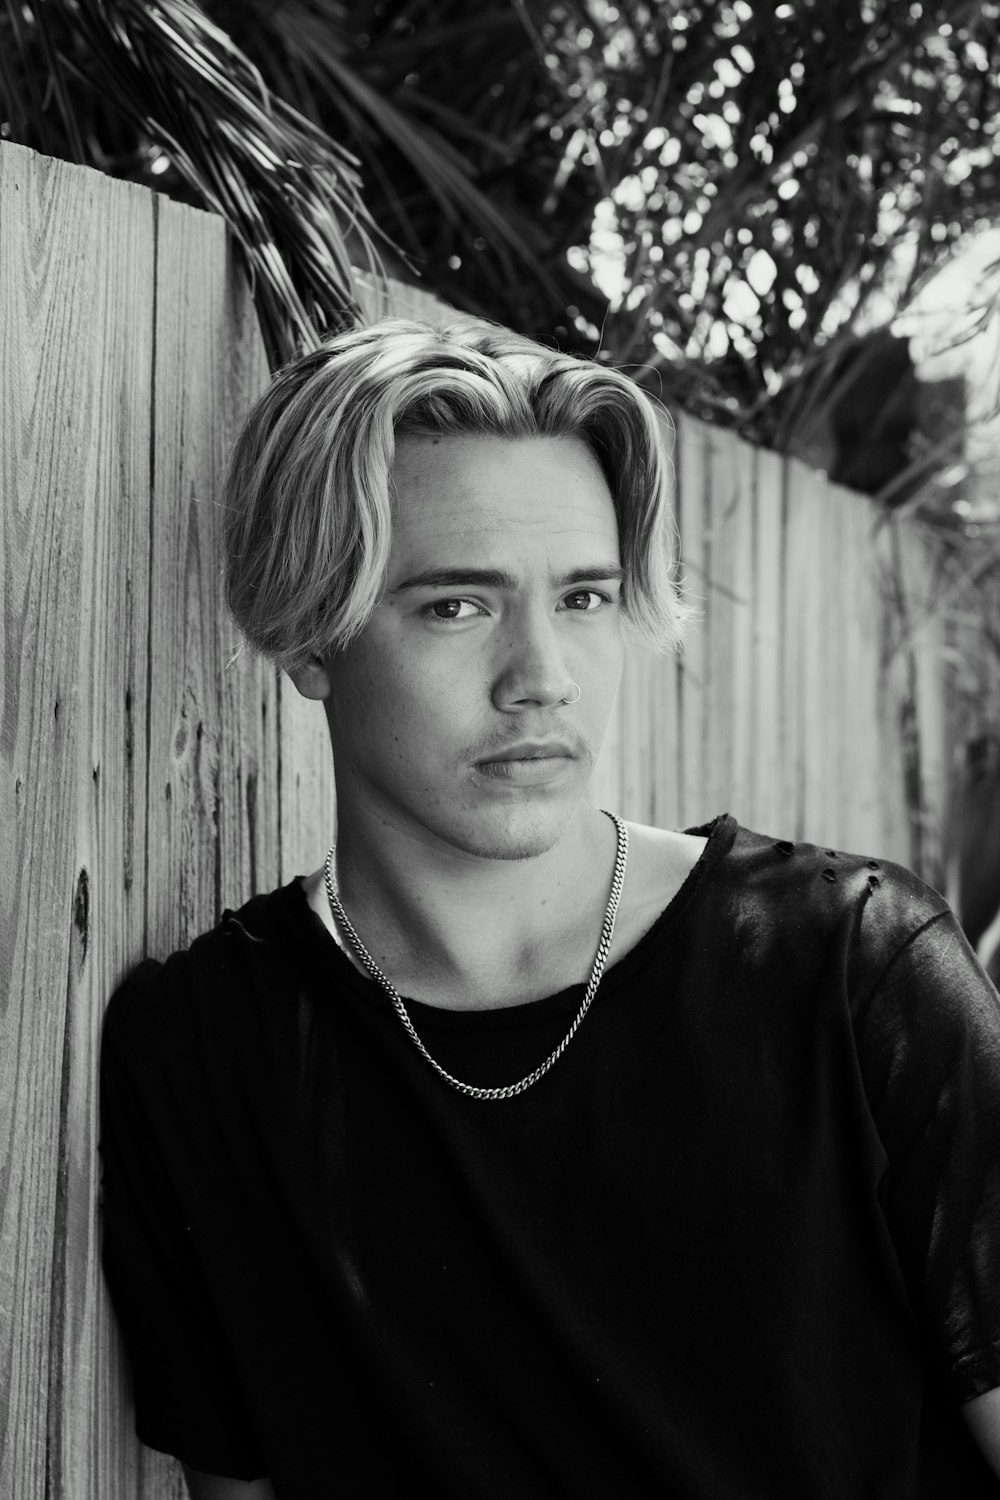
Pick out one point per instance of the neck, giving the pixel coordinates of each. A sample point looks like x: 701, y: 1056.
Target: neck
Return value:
x: 460, y: 930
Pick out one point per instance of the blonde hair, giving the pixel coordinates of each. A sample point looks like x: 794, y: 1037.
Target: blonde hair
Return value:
x: 308, y: 499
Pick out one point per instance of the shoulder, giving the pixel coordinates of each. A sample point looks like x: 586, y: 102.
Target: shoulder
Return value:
x: 198, y: 995
x: 798, y: 904
x: 860, y: 905
x: 786, y: 864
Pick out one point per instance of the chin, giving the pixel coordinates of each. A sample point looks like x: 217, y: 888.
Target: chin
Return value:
x: 513, y: 833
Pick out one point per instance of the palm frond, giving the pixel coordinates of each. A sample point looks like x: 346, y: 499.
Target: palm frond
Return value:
x: 290, y: 195
x: 426, y: 103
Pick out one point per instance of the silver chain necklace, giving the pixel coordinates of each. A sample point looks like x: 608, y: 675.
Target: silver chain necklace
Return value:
x: 603, y: 949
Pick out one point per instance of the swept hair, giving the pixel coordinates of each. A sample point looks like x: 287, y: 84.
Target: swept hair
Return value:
x: 308, y: 495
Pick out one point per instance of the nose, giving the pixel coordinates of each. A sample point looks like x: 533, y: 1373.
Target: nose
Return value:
x: 532, y: 672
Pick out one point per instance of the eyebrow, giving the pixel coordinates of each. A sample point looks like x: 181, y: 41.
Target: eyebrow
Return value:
x: 499, y: 578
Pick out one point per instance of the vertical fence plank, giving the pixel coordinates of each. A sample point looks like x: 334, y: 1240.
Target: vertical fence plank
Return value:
x: 925, y: 645
x: 76, y: 350
x: 308, y: 800
x: 857, y: 726
x: 838, y: 686
x: 812, y: 500
x: 213, y: 722
x: 721, y: 512
x: 729, y: 585
x: 692, y: 470
x: 843, y: 629
x: 665, y: 805
x: 663, y: 690
x: 740, y: 470
x: 639, y: 749
x: 768, y: 706
x: 864, y: 831
x: 796, y: 593
x: 892, y: 696
x: 671, y: 811
x: 817, y: 684
x: 605, y: 789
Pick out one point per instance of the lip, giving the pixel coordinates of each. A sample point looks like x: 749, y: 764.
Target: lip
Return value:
x: 535, y: 770
x: 529, y: 750
x: 531, y: 763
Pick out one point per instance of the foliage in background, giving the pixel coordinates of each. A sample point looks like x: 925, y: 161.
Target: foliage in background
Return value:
x: 753, y: 183
x: 273, y: 112
x: 780, y: 177
x: 450, y: 108
x: 132, y: 88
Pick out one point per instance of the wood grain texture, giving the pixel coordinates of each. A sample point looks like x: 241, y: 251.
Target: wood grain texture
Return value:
x: 859, y: 737
x: 691, y: 466
x: 213, y: 727
x: 737, y: 464
x: 924, y: 643
x: 768, y: 708
x: 813, y: 689
x: 76, y: 344
x: 308, y: 798
x: 637, y: 741
x: 720, y: 505
x: 606, y: 784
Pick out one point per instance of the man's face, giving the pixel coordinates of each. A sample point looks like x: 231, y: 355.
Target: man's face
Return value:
x: 503, y: 590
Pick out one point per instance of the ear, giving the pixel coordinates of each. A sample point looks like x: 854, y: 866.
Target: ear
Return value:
x: 313, y: 680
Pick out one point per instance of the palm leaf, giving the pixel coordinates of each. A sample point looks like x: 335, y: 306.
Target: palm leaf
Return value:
x: 434, y: 151
x: 290, y: 195
x: 459, y: 166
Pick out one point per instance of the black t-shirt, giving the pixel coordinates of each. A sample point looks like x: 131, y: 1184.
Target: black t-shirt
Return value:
x: 742, y: 1241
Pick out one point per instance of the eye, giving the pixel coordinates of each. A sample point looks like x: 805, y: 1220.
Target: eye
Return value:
x: 452, y: 609
x: 586, y: 601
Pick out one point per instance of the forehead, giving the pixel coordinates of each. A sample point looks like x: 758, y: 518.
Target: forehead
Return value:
x: 455, y: 492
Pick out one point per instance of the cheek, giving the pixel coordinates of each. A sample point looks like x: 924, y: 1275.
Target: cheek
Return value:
x: 363, y: 697
x: 395, y: 705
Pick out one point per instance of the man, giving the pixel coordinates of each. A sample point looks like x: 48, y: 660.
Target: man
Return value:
x: 517, y: 1152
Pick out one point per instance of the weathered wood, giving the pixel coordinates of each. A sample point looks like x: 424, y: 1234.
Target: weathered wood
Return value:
x: 637, y: 745
x: 213, y: 728
x: 606, y: 788
x: 927, y: 644
x: 893, y: 694
x: 720, y: 505
x: 813, y: 693
x: 857, y: 730
x: 693, y: 661
x: 663, y: 694
x: 739, y: 469
x: 768, y: 707
x: 75, y: 394
x: 308, y: 801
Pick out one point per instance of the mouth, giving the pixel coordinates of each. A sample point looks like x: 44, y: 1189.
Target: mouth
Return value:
x: 531, y: 750
x: 528, y: 765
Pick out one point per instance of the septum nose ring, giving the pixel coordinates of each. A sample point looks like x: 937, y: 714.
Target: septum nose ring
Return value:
x: 573, y: 689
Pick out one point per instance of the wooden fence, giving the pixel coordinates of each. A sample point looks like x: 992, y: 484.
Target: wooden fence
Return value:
x: 147, y: 782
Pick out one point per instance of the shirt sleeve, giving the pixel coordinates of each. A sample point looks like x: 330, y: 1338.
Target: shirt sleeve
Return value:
x: 187, y: 1397
x: 929, y: 1043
